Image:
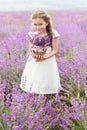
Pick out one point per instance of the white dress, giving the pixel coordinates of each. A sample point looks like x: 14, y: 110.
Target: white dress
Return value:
x: 41, y: 77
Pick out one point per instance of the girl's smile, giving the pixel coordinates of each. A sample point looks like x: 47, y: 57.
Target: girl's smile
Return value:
x: 39, y: 25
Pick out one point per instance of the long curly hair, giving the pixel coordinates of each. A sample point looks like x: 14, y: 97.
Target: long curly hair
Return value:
x: 46, y: 17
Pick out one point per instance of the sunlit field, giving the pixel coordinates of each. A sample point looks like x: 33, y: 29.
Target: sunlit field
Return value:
x: 24, y: 111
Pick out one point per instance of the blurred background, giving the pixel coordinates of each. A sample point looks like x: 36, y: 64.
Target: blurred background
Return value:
x: 17, y: 5
x: 18, y: 109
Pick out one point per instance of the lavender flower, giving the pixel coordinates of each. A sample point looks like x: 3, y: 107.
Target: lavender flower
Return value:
x: 40, y: 41
x: 38, y: 50
x: 72, y: 60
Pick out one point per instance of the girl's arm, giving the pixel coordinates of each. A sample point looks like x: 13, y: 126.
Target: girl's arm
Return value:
x: 31, y: 40
x: 31, y: 53
x: 54, y: 48
x: 30, y: 46
x: 55, y: 41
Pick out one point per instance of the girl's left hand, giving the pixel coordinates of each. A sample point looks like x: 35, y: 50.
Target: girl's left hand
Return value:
x: 40, y: 58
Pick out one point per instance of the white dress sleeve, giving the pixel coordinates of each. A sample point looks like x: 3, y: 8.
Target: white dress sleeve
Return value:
x: 55, y: 34
x: 32, y: 35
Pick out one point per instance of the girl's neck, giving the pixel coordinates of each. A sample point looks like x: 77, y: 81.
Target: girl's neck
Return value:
x: 43, y: 34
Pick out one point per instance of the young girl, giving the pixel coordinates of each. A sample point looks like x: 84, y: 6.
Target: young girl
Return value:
x: 41, y: 75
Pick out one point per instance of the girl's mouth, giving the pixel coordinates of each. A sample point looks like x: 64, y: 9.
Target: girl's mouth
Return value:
x: 39, y: 31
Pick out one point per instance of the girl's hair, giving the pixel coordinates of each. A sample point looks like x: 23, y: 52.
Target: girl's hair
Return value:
x: 45, y: 17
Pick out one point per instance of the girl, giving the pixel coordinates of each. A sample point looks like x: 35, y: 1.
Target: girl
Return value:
x: 41, y: 75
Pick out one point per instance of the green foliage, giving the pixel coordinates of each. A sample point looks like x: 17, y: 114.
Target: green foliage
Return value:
x: 78, y: 124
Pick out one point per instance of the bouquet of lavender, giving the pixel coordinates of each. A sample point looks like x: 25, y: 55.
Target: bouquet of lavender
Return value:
x: 38, y: 48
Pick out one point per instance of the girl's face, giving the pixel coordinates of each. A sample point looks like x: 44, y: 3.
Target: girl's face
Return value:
x: 39, y: 25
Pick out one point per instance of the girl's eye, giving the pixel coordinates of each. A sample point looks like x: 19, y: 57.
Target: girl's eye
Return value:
x: 40, y: 24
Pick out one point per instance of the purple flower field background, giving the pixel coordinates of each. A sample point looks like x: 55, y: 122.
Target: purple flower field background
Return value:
x: 24, y: 111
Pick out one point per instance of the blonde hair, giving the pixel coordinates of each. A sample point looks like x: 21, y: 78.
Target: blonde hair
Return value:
x: 45, y: 17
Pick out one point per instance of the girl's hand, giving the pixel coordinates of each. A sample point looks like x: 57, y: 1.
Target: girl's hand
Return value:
x: 34, y: 55
x: 37, y: 57
x: 40, y: 58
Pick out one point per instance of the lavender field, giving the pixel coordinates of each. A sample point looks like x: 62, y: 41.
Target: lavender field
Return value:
x: 24, y: 111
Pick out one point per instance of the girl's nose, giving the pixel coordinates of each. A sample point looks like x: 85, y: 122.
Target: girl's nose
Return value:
x: 38, y: 27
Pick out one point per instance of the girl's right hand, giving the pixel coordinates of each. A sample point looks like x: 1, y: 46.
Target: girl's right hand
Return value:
x: 34, y: 55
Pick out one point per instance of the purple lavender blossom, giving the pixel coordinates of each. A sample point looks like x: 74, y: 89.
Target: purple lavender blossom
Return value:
x: 40, y: 41
x: 72, y: 61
